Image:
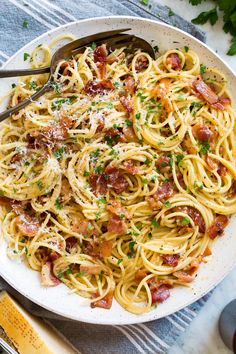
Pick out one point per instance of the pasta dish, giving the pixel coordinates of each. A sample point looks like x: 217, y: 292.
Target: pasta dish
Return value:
x: 118, y: 180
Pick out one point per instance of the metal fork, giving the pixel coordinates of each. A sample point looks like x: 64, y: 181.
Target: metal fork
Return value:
x: 113, y: 39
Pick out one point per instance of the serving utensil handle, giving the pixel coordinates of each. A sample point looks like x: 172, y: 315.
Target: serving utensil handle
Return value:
x: 24, y: 72
x: 8, y: 112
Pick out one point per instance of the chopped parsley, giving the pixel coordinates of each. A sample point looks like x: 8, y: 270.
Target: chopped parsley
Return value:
x: 13, y: 85
x: 99, y: 169
x: 202, y: 69
x: 167, y: 204
x: 26, y: 56
x: 156, y: 49
x: 138, y: 116
x: 40, y: 185
x: 131, y: 248
x: 25, y: 24
x: 98, y: 215
x: 155, y: 223
x: 204, y: 147
x: 119, y: 261
x: 186, y: 49
x: 170, y: 12
x: 144, y: 2
x: 185, y: 221
x: 113, y: 152
x: 80, y: 274
x: 58, y: 204
x: 147, y: 162
x: 59, y: 152
x: 56, y: 87
x: 102, y: 200
x: 86, y: 174
x: 1, y: 193
x: 33, y: 85
x: 179, y: 159
x: 128, y: 123
x: 93, y: 45
x: 116, y: 84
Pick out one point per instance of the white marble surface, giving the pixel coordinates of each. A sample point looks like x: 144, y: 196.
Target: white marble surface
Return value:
x: 202, y: 336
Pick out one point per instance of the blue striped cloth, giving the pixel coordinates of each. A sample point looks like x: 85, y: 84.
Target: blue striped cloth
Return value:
x: 153, y: 337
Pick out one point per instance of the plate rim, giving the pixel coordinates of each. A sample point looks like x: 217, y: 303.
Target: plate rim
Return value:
x: 153, y: 315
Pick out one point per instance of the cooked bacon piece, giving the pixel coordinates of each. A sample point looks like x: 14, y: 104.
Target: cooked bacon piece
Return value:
x: 222, y: 170
x: 100, y: 53
x: 101, y: 125
x: 113, y: 136
x: 53, y: 256
x: 129, y: 134
x: 181, y: 180
x: 210, y: 162
x: 47, y: 278
x: 84, y: 227
x: 207, y: 252
x: 202, y: 132
x: 115, y: 208
x: 98, y: 248
x: 141, y: 63
x: 4, y: 201
x: 183, y: 276
x: 130, y: 166
x: 94, y: 88
x: 70, y: 243
x: 174, y: 60
x: 232, y: 190
x: 163, y: 163
x: 195, y: 216
x: 116, y: 225
x: 208, y: 94
x: 130, y: 85
x: 167, y: 105
x: 218, y: 225
x: 126, y: 103
x: 28, y: 225
x: 102, y: 69
x: 160, y: 292
x: 140, y: 275
x: 66, y: 191
x: 16, y: 158
x: 161, y: 89
x: 49, y: 136
x: 106, y: 248
x: 98, y: 183
x: 91, y: 269
x: 225, y: 100
x: 116, y: 179
x: 188, y: 145
x: 170, y: 259
x: 104, y: 303
x: 165, y: 191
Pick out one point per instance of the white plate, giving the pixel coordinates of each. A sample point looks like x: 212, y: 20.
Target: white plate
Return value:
x: 58, y: 299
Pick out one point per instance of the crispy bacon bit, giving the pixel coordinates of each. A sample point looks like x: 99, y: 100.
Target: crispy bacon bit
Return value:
x: 116, y: 179
x: 48, y: 136
x: 106, y: 248
x: 130, y: 85
x: 130, y: 166
x: 232, y: 190
x: 225, y: 100
x: 126, y: 103
x: 100, y: 126
x: 104, y: 303
x: 113, y: 136
x: 141, y: 63
x: 15, y: 158
x: 181, y: 180
x: 161, y: 89
x: 53, y: 256
x: 160, y: 292
x: 195, y: 216
x: 140, y: 275
x: 98, y: 183
x: 163, y: 163
x: 116, y: 225
x: 47, y: 278
x: 28, y: 225
x: 188, y: 145
x: 174, y: 61
x: 91, y: 269
x: 210, y: 162
x: 4, y: 201
x: 115, y: 208
x: 183, y: 276
x: 202, y: 132
x: 94, y: 88
x: 70, y: 243
x: 129, y: 134
x: 165, y: 190
x: 208, y: 94
x: 84, y: 227
x: 100, y: 54
x: 207, y: 252
x: 170, y: 259
x: 98, y: 248
x: 218, y: 225
x: 222, y: 170
x: 66, y: 191
x: 166, y: 104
